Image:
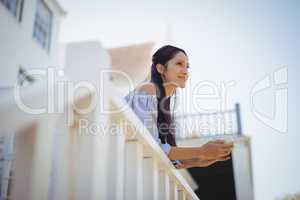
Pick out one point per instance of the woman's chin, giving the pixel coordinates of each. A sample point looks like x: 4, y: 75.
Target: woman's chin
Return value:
x: 182, y: 85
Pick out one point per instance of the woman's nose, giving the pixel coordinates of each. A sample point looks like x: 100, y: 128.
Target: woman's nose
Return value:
x: 185, y: 71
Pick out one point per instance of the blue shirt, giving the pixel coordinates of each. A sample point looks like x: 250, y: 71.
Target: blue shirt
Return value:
x: 145, y: 107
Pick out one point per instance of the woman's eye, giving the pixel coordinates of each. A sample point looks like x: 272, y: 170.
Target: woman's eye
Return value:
x: 182, y: 65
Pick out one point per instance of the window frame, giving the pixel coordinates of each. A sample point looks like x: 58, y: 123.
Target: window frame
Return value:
x: 40, y: 28
x: 17, y: 12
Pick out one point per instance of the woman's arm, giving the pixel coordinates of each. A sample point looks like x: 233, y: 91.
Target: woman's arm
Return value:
x: 212, y: 150
x: 184, y: 153
x: 184, y: 164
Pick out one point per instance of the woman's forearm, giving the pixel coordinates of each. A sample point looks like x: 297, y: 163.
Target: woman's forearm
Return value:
x: 184, y: 153
x: 209, y: 151
x: 188, y: 164
x: 197, y: 163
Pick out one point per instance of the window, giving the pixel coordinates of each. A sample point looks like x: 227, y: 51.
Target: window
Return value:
x: 42, y: 25
x: 14, y: 6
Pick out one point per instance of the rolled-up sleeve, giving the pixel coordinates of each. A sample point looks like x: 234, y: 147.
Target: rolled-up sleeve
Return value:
x: 145, y: 107
x: 166, y: 147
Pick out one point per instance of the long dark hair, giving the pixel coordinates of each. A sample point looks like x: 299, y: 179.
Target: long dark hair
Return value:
x: 165, y: 123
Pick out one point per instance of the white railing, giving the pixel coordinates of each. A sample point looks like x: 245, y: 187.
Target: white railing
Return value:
x: 57, y: 160
x: 213, y: 124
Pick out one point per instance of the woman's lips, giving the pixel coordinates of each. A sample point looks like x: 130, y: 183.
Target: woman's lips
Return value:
x: 182, y: 77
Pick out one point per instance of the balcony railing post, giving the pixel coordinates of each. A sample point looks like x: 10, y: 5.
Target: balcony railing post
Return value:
x: 134, y: 170
x: 173, y: 190
x: 167, y: 186
x: 100, y: 156
x: 151, y: 176
x: 238, y: 119
x: 22, y: 165
x: 42, y: 158
x: 155, y: 179
x: 181, y: 195
x: 59, y: 180
x: 115, y: 164
x: 121, y: 166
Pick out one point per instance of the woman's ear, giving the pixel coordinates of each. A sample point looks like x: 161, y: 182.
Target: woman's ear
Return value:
x: 160, y: 68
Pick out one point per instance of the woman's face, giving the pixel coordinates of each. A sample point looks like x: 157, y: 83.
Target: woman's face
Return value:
x: 176, y: 73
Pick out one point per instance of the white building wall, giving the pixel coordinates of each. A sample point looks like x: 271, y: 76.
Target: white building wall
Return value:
x: 85, y: 61
x: 19, y: 48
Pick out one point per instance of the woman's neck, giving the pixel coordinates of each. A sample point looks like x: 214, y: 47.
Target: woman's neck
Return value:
x: 169, y: 89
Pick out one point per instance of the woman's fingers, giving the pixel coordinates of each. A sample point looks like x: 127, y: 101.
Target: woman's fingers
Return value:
x: 224, y: 158
x: 227, y: 148
x: 206, y: 163
x: 223, y: 144
x: 216, y: 149
x: 219, y: 141
x: 228, y: 145
x: 225, y: 153
x: 211, y: 162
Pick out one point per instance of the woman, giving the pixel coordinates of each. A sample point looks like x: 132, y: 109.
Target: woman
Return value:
x: 151, y: 102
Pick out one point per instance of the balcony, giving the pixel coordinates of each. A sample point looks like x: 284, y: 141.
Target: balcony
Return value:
x: 54, y: 157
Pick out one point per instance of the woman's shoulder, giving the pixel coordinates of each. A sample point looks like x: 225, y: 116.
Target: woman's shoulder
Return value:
x: 143, y: 97
x: 145, y: 91
x: 147, y: 87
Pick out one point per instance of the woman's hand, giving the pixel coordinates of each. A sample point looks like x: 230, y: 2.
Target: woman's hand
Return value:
x: 206, y: 163
x: 215, y: 150
x: 183, y: 164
